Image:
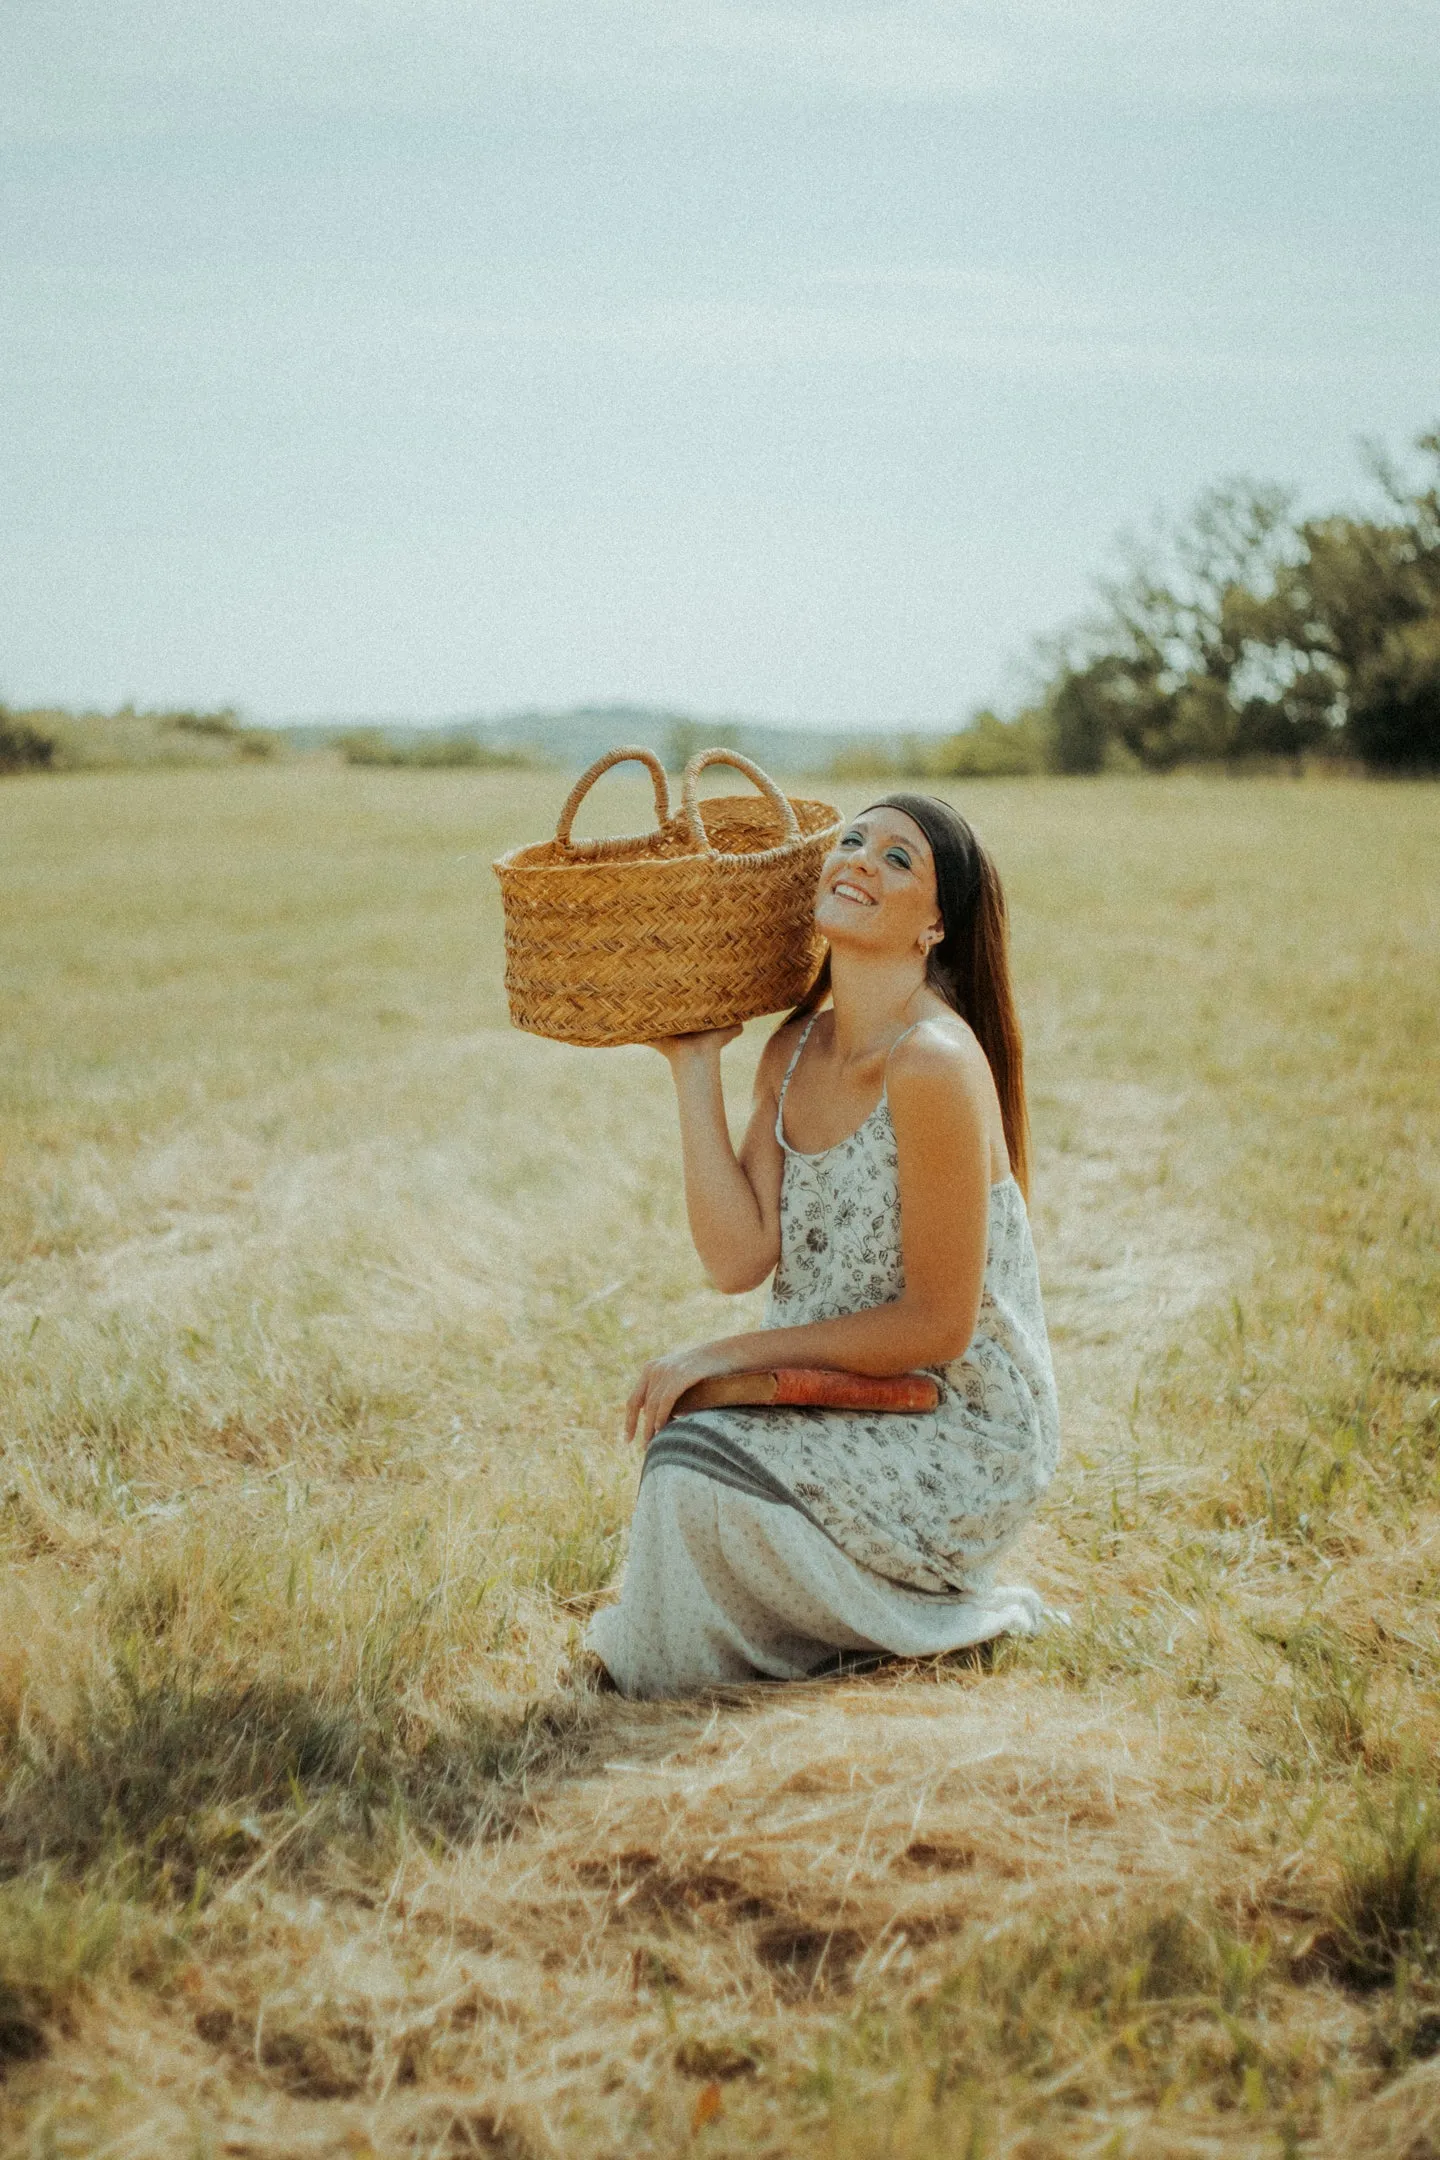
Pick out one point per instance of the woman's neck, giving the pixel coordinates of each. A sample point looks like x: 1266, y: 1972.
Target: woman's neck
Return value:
x: 875, y: 996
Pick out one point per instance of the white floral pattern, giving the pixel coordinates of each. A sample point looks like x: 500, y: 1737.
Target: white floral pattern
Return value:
x: 928, y: 1501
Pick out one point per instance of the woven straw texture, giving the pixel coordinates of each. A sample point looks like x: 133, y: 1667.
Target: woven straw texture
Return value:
x: 705, y: 921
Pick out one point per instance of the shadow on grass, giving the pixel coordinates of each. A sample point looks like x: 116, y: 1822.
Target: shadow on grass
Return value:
x: 185, y: 1785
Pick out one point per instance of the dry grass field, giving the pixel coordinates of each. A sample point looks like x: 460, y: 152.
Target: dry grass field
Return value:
x: 319, y: 1294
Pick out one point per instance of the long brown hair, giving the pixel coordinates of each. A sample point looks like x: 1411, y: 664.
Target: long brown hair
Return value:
x: 970, y: 967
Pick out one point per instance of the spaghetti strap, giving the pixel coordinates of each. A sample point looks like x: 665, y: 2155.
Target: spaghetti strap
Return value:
x: 794, y: 1061
x: 901, y: 1037
x: 885, y: 1082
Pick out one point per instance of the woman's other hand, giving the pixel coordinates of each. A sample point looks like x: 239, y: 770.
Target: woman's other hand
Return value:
x: 661, y: 1384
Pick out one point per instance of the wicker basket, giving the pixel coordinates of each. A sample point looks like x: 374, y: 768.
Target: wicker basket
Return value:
x: 707, y: 920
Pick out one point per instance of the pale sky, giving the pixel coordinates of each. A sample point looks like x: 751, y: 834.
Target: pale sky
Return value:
x: 423, y: 357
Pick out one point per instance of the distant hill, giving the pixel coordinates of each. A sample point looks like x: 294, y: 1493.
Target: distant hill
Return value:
x: 575, y: 738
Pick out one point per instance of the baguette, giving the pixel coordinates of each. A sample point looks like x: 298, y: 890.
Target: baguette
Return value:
x: 813, y: 1387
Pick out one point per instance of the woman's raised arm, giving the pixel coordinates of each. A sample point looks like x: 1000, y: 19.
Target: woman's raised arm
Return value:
x: 732, y: 1201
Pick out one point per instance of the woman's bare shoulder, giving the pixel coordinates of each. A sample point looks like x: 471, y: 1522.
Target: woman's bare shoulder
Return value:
x: 940, y: 1081
x: 942, y: 1055
x: 941, y: 1043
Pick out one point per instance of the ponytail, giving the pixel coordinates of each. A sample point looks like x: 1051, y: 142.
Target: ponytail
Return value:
x: 971, y: 971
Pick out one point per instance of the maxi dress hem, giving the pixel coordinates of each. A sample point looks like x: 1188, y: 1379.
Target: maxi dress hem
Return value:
x: 723, y: 1587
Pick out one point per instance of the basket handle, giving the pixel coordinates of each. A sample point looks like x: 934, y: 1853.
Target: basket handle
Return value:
x: 752, y: 771
x: 587, y: 780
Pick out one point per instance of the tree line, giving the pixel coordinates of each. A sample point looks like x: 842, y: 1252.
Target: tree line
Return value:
x: 1238, y: 634
x: 1246, y: 632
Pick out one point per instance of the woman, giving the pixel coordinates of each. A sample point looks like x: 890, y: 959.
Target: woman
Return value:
x: 881, y: 1179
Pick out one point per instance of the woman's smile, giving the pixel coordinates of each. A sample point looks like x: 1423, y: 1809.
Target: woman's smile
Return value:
x: 881, y: 863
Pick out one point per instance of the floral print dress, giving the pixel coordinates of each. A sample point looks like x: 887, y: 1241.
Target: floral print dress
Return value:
x: 925, y: 1503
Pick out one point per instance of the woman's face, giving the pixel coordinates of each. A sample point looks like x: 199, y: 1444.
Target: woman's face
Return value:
x: 877, y: 887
